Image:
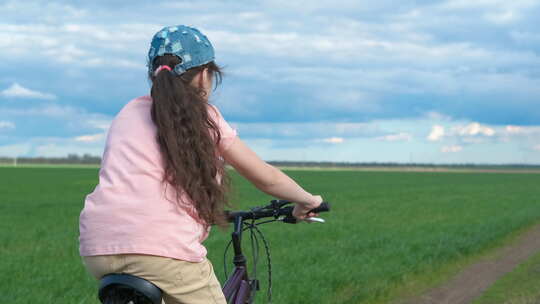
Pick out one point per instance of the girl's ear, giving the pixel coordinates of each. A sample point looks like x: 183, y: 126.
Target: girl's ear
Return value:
x: 201, y: 78
x: 205, y: 76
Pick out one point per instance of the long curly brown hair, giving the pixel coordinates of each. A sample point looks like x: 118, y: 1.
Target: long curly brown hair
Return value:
x: 188, y: 139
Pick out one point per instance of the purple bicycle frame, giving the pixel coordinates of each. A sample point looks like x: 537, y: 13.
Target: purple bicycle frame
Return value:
x: 239, y: 289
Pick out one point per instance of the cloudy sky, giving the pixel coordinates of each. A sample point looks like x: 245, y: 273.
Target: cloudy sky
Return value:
x: 449, y: 81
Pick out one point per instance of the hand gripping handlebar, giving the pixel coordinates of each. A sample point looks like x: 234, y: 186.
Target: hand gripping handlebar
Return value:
x: 276, y: 209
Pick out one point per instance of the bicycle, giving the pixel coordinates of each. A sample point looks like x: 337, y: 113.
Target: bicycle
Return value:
x: 240, y: 287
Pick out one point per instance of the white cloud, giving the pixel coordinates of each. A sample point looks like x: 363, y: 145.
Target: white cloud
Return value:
x: 437, y: 132
x: 474, y: 129
x: 51, y: 147
x: 15, y: 150
x: 468, y: 133
x: 489, y: 4
x: 341, y: 48
x: 102, y: 124
x: 90, y: 138
x: 513, y: 129
x: 537, y: 147
x: 334, y: 140
x: 67, y: 53
x: 396, y: 137
x: 451, y: 149
x: 434, y: 115
x: 65, y: 148
x: 79, y: 44
x: 502, y: 17
x: 525, y: 37
x: 48, y: 123
x: 6, y: 125
x: 45, y: 110
x: 521, y: 130
x: 18, y: 91
x: 306, y: 130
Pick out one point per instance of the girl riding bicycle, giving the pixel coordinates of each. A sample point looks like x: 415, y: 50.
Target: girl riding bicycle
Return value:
x: 163, y: 182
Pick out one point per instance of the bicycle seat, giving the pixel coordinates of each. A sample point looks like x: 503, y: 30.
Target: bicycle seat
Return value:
x: 125, y: 288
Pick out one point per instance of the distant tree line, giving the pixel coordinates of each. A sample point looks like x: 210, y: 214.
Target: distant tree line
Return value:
x: 324, y: 164
x: 75, y: 159
x: 88, y: 159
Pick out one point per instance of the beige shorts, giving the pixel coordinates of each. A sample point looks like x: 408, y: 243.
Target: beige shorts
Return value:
x: 180, y: 281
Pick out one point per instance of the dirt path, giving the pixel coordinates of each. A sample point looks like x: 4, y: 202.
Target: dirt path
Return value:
x: 475, y: 279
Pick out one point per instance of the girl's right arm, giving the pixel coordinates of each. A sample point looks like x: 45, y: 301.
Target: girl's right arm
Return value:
x: 270, y: 179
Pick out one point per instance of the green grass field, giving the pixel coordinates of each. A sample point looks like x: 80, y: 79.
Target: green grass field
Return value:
x: 389, y: 234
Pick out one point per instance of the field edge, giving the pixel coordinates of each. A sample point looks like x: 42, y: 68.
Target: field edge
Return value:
x: 419, y: 284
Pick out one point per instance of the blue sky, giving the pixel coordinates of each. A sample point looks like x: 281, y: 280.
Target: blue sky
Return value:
x: 450, y: 81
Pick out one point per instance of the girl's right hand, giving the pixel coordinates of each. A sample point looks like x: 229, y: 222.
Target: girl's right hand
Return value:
x: 302, y: 211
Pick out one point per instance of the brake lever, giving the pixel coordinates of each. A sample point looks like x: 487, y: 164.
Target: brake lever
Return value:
x: 293, y: 220
x: 314, y: 220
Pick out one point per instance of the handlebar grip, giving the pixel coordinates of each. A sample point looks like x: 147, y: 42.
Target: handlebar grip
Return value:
x: 322, y: 208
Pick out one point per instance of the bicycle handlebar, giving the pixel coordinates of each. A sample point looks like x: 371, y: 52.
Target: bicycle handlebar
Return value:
x: 274, y: 210
x: 324, y: 207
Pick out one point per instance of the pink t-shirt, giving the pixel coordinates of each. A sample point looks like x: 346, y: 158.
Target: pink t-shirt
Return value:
x: 131, y: 210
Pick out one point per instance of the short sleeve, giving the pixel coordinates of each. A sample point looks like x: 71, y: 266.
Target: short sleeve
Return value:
x: 228, y: 134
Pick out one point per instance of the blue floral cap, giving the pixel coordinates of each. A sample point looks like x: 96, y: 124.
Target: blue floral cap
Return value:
x: 188, y: 43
